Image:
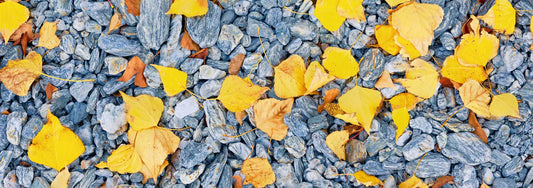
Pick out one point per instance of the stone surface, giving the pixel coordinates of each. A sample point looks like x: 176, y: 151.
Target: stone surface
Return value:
x: 119, y: 45
x: 432, y: 165
x: 153, y: 26
x: 467, y: 148
x: 204, y: 30
x: 229, y: 37
x: 113, y: 118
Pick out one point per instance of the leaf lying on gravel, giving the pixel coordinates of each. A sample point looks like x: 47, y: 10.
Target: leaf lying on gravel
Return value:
x: 258, y: 172
x: 351, y: 9
x: 47, y: 35
x: 393, y: 3
x: 368, y: 180
x: 235, y: 64
x: 23, y: 35
x: 412, y: 182
x: 187, y: 42
x: 18, y: 75
x: 401, y: 104
x: 504, y: 105
x: 326, y: 13
x: 501, y: 17
x: 340, y: 62
x: 315, y: 77
x: 289, y: 77
x: 135, y: 67
x: 123, y: 160
x: 475, y: 98
x: 385, y: 36
x: 336, y: 140
x: 330, y: 96
x: 385, y: 81
x: 367, y: 100
x: 237, y: 95
x: 420, y: 79
x: 50, y: 89
x: 12, y: 15
x: 472, y: 121
x: 174, y: 80
x: 476, y: 49
x: 115, y: 23
x: 189, y: 8
x: 453, y: 70
x: 133, y: 7
x: 143, y: 111
x: 441, y: 181
x: 269, y: 114
x: 61, y: 179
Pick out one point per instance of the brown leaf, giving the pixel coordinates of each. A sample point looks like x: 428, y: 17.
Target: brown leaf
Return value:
x: 330, y: 97
x: 50, y: 89
x: 441, y: 181
x: 446, y: 82
x: 22, y: 36
x: 202, y: 54
x: 19, y: 74
x: 238, y: 181
x: 188, y: 43
x: 115, y: 23
x: 5, y: 112
x: 240, y: 116
x: 135, y: 66
x: 133, y: 7
x: 472, y: 120
x: 235, y: 64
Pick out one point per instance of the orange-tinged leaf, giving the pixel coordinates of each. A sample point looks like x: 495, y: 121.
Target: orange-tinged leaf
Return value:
x: 235, y: 64
x: 240, y: 116
x: 189, y: 8
x: 407, y: 49
x: 504, y: 105
x: 115, y: 23
x: 147, y: 173
x: 289, y: 77
x: 55, y: 146
x: 393, y: 3
x: 61, y: 179
x: 351, y: 9
x: 427, y: 18
x: 238, y: 95
x: 50, y: 89
x: 331, y: 95
x: 135, y: 66
x: 238, y: 181
x: 472, y: 120
x: 475, y: 97
x: 133, y: 7
x: 5, y: 112
x: 421, y: 79
x: 258, y: 172
x: 188, y: 43
x: 413, y: 182
x: 363, y: 102
x: 340, y: 62
x: 384, y: 81
x: 143, y: 111
x: 123, y: 160
x: 12, y: 15
x: 477, y: 49
x: 174, y: 80
x: 385, y: 36
x: 326, y: 13
x: 202, y: 54
x: 47, y: 35
x: 269, y: 114
x: 501, y: 17
x: 368, y: 180
x: 441, y: 181
x: 315, y: 77
x: 453, y: 70
x: 18, y: 75
x: 23, y: 35
x: 336, y: 140
x: 484, y: 185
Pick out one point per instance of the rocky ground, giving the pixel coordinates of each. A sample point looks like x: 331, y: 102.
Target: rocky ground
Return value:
x: 300, y: 160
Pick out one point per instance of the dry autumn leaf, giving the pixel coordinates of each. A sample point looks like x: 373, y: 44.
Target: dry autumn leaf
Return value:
x: 476, y: 49
x: 115, y: 23
x: 385, y: 36
x: 47, y: 35
x: 258, y: 172
x: 340, y: 63
x: 330, y: 96
x: 143, y: 111
x: 237, y: 95
x: 472, y: 121
x: 326, y: 13
x: 50, y: 89
x: 133, y: 7
x: 202, y: 54
x: 368, y: 180
x: 367, y: 100
x: 61, y: 179
x: 235, y: 64
x: 123, y: 160
x: 135, y: 67
x: 315, y: 77
x: 174, y: 80
x: 407, y: 49
x: 351, y: 9
x: 484, y: 185
x: 385, y: 81
x: 12, y: 15
x: 501, y: 17
x: 504, y: 105
x: 453, y: 70
x: 55, y: 146
x: 23, y: 35
x: 421, y: 79
x: 187, y: 42
x: 393, y: 3
x: 348, y: 118
x: 147, y: 174
x: 441, y: 181
x: 401, y: 104
x: 240, y: 116
x: 336, y: 140
x: 269, y: 114
x: 413, y: 182
x: 238, y: 181
x: 289, y: 77
x: 18, y: 75
x: 475, y: 98
x: 189, y: 8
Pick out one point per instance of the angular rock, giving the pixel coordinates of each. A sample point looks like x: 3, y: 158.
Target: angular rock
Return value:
x: 512, y: 58
x: 99, y: 11
x: 113, y: 118
x: 153, y: 26
x: 115, y: 65
x: 214, y: 170
x: 466, y: 147
x: 190, y: 175
x: 208, y: 73
x: 119, y: 45
x: 418, y: 146
x: 295, y: 145
x: 304, y: 30
x: 204, y: 30
x: 285, y: 176
x: 80, y: 90
x: 230, y: 36
x: 355, y: 151
x: 186, y: 107
x: 61, y: 7
x: 252, y: 28
x: 432, y: 165
x: 15, y: 120
x: 215, y: 117
x: 193, y: 154
x: 240, y: 150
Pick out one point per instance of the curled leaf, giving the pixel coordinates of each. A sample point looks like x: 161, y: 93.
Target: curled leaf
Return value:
x: 385, y: 36
x: 133, y: 7
x: 475, y: 97
x: 135, y: 67
x: 115, y: 23
x: 331, y: 95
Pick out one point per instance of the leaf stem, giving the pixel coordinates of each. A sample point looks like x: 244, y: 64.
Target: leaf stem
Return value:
x: 418, y: 164
x: 446, y: 121
x: 62, y: 79
x: 302, y: 13
x: 180, y: 129
x: 198, y: 96
x: 237, y: 136
x: 356, y: 39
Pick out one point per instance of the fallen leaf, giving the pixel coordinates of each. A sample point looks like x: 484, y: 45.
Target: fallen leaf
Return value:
x: 61, y: 179
x: 340, y: 63
x: 331, y: 95
x: 453, y: 70
x: 238, y: 181
x: 445, y: 82
x: 12, y: 15
x: 143, y: 111
x: 22, y: 36
x: 315, y: 77
x: 476, y: 49
x: 401, y: 119
x: 202, y: 54
x: 368, y: 180
x: 289, y: 77
x: 407, y: 49
x: 504, y: 105
x: 484, y: 185
x: 385, y: 36
x: 187, y: 42
x: 269, y: 114
x: 258, y: 172
x: 240, y: 116
x: 401, y: 104
x: 174, y: 80
x: 427, y: 16
x: 55, y: 146
x: 115, y: 23
x: 235, y: 64
x: 147, y: 174
x: 393, y: 3
x: 351, y: 9
x: 135, y: 67
x: 123, y: 160
x: 133, y: 7
x: 413, y: 182
x: 421, y: 79
x: 237, y: 95
x: 47, y: 35
x: 348, y: 118
x: 18, y: 75
x: 189, y: 8
x: 475, y: 98
x: 5, y: 112
x: 50, y: 89
x: 367, y: 100
x: 441, y: 181
x: 336, y: 140
x: 326, y: 13
x: 384, y: 81
x: 501, y: 17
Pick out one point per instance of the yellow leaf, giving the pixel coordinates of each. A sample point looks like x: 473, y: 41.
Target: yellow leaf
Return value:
x: 238, y: 95
x: 55, y: 146
x: 12, y: 15
x: 336, y: 140
x: 407, y: 49
x: 269, y: 114
x: 258, y: 172
x: 189, y: 8
x: 385, y: 37
x: 453, y: 70
x: 123, y: 160
x: 174, y: 80
x: 18, y: 75
x: 348, y: 118
x: 61, y: 179
x: 427, y: 18
x: 340, y: 62
x: 289, y: 78
x: 326, y: 13
x: 368, y: 180
x: 115, y: 23
x: 316, y: 77
x: 153, y: 146
x: 393, y: 3
x: 501, y: 17
x: 401, y: 119
x: 384, y: 81
x: 363, y: 102
x: 477, y: 49
x: 147, y: 173
x: 475, y: 97
x: 401, y: 104
x: 504, y: 105
x: 484, y: 185
x: 351, y: 9
x: 143, y: 111
x: 47, y: 35
x: 421, y: 79
x: 413, y: 182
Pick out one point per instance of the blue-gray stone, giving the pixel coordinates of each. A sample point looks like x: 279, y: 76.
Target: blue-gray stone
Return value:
x: 283, y: 33
x: 465, y: 176
x: 3, y: 136
x: 94, y: 63
x: 204, y: 30
x: 273, y: 16
x: 504, y: 183
x: 113, y: 118
x: 153, y: 26
x: 79, y: 21
x: 68, y: 44
x: 211, y: 88
x: 59, y: 100
x: 65, y: 72
x: 99, y: 11
x: 215, y: 117
x: 80, y: 90
x: 276, y: 53
x: 193, y: 154
x: 226, y: 179
x: 78, y: 113
x: 173, y: 55
x: 295, y: 145
x: 61, y: 7
x: 10, y: 179
x: 512, y: 58
x: 355, y: 151
x: 512, y: 167
x: 304, y: 30
x: 15, y: 120
x: 227, y: 17
x: 39, y: 182
x: 252, y: 29
x: 316, y: 123
x: 214, y: 170
x: 119, y: 45
x: 207, y: 72
x: 432, y: 165
x: 268, y: 4
x: 361, y: 38
x: 318, y: 140
x: 421, y: 123
x: 418, y: 146
x: 113, y: 86
x: 447, y: 41
x: 24, y: 175
x: 191, y: 65
x: 230, y: 36
x: 83, y: 52
x: 296, y: 123
x: 374, y: 143
x: 251, y: 60
x: 372, y: 65
x: 6, y: 157
x: 285, y: 176
x: 293, y: 45
x: 467, y: 148
x: 241, y: 7
x: 375, y: 168
x: 499, y: 158
x: 240, y: 150
x: 227, y: 4
x: 127, y: 18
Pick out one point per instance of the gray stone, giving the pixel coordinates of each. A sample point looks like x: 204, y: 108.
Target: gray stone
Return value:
x: 396, y: 64
x: 214, y: 170
x: 240, y: 150
x: 112, y: 86
x: 65, y: 72
x: 99, y: 11
x: 80, y: 90
x: 375, y: 168
x: 61, y: 7
x: 10, y: 179
x: 432, y: 165
x: 285, y: 176
x: 32, y: 127
x: 268, y: 4
x: 418, y: 146
x: 79, y: 21
x: 295, y: 145
x: 241, y: 7
x: 296, y: 123
x: 119, y: 45
x: 361, y: 38
x: 467, y: 148
x: 447, y: 41
x: 15, y: 120
x: 193, y: 154
x: 374, y: 143
x: 39, y: 182
x: 264, y: 29
x: 189, y: 175
x: 283, y: 33
x: 83, y: 52
x: 78, y: 113
x: 513, y: 167
x: 24, y: 175
x: 355, y: 151
x: 504, y: 183
x: 113, y: 118
x: 421, y: 123
x: 204, y: 30
x: 316, y: 123
x: 372, y: 65
x: 499, y: 158
x: 186, y: 107
x: 60, y: 99
x: 527, y: 92
x: 153, y: 26
x: 208, y: 73
x: 115, y: 65
x: 512, y: 58
x: 215, y: 117
x: 191, y: 65
x: 304, y: 30
x: 318, y: 139
x: 230, y: 36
